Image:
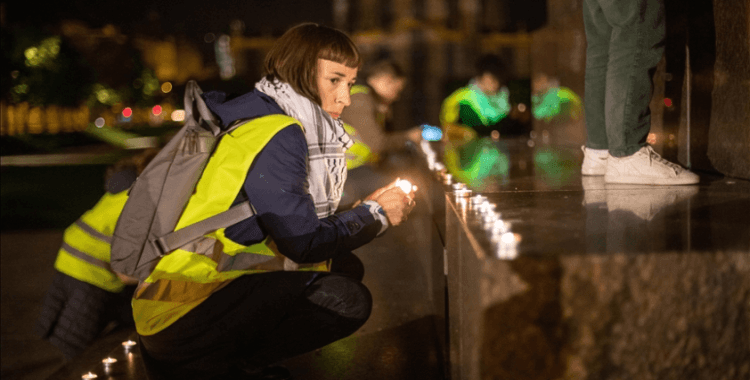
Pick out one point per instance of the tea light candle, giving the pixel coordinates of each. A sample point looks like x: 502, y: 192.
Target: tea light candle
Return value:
x: 404, y: 185
x: 487, y: 207
x: 447, y: 178
x: 128, y: 344
x: 477, y: 199
x: 499, y: 227
x: 489, y: 219
x: 89, y: 376
x: 109, y: 361
x: 462, y: 193
x: 507, y: 246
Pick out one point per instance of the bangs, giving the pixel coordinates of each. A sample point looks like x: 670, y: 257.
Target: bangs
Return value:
x: 342, y: 51
x: 294, y: 57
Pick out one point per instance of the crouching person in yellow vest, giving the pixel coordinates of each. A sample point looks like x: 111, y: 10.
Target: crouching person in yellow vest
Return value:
x: 283, y: 281
x: 86, y: 296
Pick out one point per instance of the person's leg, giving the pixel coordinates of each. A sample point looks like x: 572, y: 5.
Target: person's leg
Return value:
x: 333, y: 308
x: 636, y: 47
x: 257, y: 320
x: 598, y: 36
x: 348, y: 264
x: 209, y: 341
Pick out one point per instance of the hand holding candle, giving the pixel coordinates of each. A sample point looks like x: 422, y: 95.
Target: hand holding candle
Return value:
x: 406, y: 186
x: 397, y: 200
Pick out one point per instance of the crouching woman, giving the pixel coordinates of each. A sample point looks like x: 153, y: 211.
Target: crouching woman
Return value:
x: 283, y: 281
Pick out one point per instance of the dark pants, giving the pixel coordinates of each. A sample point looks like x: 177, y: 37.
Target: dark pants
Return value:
x: 258, y: 320
x: 625, y: 42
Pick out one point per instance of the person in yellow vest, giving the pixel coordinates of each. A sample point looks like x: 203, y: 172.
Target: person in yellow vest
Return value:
x: 86, y: 297
x: 283, y: 281
x: 367, y: 121
x: 479, y: 108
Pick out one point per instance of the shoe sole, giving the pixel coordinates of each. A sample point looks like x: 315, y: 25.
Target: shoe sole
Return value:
x: 650, y: 181
x: 592, y: 173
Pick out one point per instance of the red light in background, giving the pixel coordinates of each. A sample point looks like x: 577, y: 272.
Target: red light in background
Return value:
x: 668, y: 102
x: 156, y: 110
x: 127, y: 112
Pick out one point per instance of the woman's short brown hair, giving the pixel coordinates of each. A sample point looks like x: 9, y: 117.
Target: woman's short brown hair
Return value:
x: 294, y: 57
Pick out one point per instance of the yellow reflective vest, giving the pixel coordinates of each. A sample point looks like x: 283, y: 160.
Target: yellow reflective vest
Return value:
x: 187, y: 276
x: 85, y: 251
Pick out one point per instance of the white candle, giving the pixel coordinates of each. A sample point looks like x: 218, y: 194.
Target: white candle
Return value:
x: 108, y: 361
x: 89, y: 375
x: 404, y: 185
x: 128, y: 344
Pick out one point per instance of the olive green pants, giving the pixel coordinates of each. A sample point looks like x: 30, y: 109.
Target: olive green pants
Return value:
x: 625, y: 41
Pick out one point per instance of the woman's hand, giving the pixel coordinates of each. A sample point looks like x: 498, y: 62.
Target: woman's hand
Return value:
x: 396, y: 203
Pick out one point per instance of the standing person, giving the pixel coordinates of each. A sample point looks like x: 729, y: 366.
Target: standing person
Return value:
x: 282, y: 282
x: 366, y: 121
x: 481, y: 107
x: 86, y: 295
x: 625, y: 43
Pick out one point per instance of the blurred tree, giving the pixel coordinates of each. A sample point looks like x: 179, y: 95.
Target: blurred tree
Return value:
x: 78, y: 65
x: 43, y: 69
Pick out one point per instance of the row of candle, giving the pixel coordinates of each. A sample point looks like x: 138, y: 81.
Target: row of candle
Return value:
x: 504, y: 242
x: 109, y: 361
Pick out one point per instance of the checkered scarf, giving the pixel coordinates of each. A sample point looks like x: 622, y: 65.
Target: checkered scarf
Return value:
x: 326, y: 144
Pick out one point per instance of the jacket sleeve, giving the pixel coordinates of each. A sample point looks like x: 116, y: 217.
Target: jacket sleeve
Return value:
x: 277, y: 187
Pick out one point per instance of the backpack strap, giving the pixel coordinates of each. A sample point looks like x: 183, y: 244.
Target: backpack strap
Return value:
x: 204, y: 116
x: 177, y: 239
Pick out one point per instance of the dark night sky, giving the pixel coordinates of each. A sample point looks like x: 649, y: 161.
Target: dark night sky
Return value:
x: 173, y: 17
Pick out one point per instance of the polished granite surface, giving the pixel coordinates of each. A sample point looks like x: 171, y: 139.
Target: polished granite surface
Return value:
x: 553, y: 275
x: 552, y: 209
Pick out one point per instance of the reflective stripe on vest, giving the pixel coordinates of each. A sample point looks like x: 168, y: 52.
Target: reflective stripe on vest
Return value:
x: 85, y: 251
x: 187, y: 276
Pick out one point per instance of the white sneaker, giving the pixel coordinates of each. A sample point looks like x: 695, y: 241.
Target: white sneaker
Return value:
x: 646, y: 167
x: 594, y: 161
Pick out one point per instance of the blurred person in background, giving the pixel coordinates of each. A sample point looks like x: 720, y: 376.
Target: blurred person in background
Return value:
x: 480, y: 108
x: 550, y: 101
x: 366, y: 120
x: 86, y: 298
x: 288, y: 282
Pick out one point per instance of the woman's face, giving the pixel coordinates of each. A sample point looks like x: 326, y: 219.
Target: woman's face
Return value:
x: 334, y: 82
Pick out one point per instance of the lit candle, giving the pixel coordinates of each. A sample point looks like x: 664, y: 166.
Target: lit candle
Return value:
x: 477, y: 199
x: 447, y: 178
x: 128, y: 344
x: 462, y: 193
x: 89, y: 375
x: 404, y: 185
x: 109, y: 361
x: 487, y: 207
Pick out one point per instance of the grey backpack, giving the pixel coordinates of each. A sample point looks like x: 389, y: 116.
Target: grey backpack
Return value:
x: 145, y: 229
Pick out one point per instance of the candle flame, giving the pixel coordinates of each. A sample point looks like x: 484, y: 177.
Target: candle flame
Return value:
x: 404, y: 185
